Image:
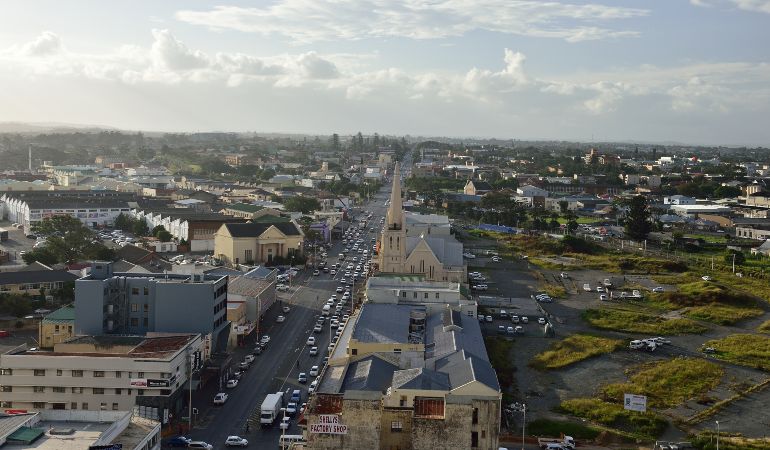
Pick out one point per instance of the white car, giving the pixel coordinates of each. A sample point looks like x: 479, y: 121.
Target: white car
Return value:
x: 657, y: 290
x: 705, y: 278
x: 603, y: 297
x: 264, y: 339
x: 313, y: 352
x: 220, y: 398
x: 281, y: 287
x: 285, y: 423
x: 280, y: 319
x: 313, y: 386
x: 469, y: 255
x: 316, y: 273
x: 497, y: 259
x: 231, y: 383
x: 599, y: 289
x: 314, y: 371
x: 541, y: 321
x: 488, y: 318
x: 236, y: 441
x: 286, y: 309
x: 311, y: 341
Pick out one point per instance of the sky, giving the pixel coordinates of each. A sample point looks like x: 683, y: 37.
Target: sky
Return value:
x: 689, y: 71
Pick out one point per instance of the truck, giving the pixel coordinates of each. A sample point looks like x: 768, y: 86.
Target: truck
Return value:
x: 271, y: 409
x: 566, y: 442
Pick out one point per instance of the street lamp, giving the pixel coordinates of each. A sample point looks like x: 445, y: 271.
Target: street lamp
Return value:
x: 521, y: 407
x: 717, y: 434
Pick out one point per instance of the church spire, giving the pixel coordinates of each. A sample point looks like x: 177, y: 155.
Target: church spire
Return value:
x: 395, y: 211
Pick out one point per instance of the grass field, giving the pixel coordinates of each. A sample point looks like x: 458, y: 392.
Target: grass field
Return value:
x: 668, y: 383
x: 706, y: 440
x: 554, y: 290
x: 722, y: 314
x: 751, y: 350
x: 554, y: 428
x: 708, y: 301
x: 645, y: 425
x: 499, y: 351
x: 764, y: 327
x: 639, y: 322
x: 573, y: 349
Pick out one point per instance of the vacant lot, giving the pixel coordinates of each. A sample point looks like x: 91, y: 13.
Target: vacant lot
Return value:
x: 752, y: 350
x: 722, y: 314
x: 710, y: 302
x: 765, y: 327
x: 639, y: 322
x: 668, y: 383
x: 574, y: 349
x: 645, y: 425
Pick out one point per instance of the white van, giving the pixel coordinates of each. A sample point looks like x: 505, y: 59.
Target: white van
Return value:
x: 286, y: 440
x: 325, y: 310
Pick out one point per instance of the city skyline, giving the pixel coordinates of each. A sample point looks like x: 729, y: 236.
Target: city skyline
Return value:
x: 676, y: 71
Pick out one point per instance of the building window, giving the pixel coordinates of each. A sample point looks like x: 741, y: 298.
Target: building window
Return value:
x: 118, y: 374
x: 135, y: 291
x: 118, y: 391
x: 59, y: 372
x: 474, y: 439
x: 397, y: 351
x: 483, y: 434
x: 140, y: 375
x: 99, y: 391
x: 426, y: 295
x: 146, y: 292
x: 146, y: 308
x: 6, y: 404
x: 354, y: 351
x: 103, y: 406
x: 134, y: 307
x: 39, y: 372
x: 436, y: 294
x: 134, y: 322
x: 77, y: 373
x: 59, y: 389
x: 74, y: 405
x: 475, y: 418
x: 145, y: 322
x: 470, y: 313
x: 396, y: 426
x: 38, y: 405
x: 114, y: 406
x: 6, y: 371
x: 77, y: 390
x: 98, y: 374
x: 6, y: 388
x: 84, y: 405
x: 141, y: 391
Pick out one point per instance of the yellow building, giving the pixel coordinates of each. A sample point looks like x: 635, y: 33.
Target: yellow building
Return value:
x: 242, y: 243
x: 56, y: 327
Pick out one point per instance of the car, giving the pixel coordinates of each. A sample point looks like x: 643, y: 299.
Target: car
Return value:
x: 220, y: 398
x: 314, y: 371
x: 515, y: 319
x: 316, y: 273
x: 178, y: 441
x: 281, y: 287
x: 318, y: 328
x: 296, y: 395
x: 709, y: 350
x: 488, y: 318
x: 249, y: 358
x: 302, y: 378
x: 636, y: 344
x: 481, y: 318
x: 599, y: 289
x: 541, y: 321
x: 333, y: 272
x: 236, y: 441
x: 313, y: 352
x: 479, y: 287
x: 200, y: 445
x: 501, y: 329
x: 509, y: 330
x: 524, y: 319
x: 280, y: 319
x: 291, y: 409
x: 264, y: 339
x: 231, y: 383
x: 564, y: 275
x: 657, y: 290
x: 243, y: 365
x: 518, y: 329
x: 286, y: 309
x: 660, y: 340
x: 705, y: 278
x: 257, y: 350
x: 603, y: 297
x: 237, y: 374
x: 310, y: 341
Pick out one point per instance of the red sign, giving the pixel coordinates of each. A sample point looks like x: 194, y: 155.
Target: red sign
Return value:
x: 16, y: 411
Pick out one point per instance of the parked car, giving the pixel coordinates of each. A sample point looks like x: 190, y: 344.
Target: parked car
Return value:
x: 541, y: 321
x: 657, y: 290
x: 231, y: 383
x: 515, y: 319
x: 310, y: 341
x: 302, y: 378
x: 280, y: 319
x: 286, y: 309
x: 264, y: 340
x: 249, y: 358
x: 178, y: 441
x: 314, y: 371
x: 313, y: 352
x: 524, y: 319
x: 200, y: 445
x: 285, y: 423
x: 706, y: 278
x: 489, y: 319
x: 236, y: 441
x: 220, y: 398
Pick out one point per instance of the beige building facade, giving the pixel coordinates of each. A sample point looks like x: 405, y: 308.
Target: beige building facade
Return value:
x: 255, y: 243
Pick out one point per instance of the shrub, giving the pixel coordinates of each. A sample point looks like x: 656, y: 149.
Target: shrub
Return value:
x: 546, y: 427
x: 648, y: 424
x: 639, y: 322
x: 751, y: 350
x: 574, y: 349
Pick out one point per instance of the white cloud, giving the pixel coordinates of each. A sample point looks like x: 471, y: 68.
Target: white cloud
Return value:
x: 47, y: 44
x: 306, y: 21
x: 762, y: 6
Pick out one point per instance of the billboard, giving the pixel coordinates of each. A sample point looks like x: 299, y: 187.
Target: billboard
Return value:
x: 149, y: 383
x: 328, y: 424
x: 633, y: 402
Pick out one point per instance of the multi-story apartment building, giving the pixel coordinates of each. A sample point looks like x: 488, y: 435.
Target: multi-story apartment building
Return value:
x: 139, y: 303
x: 95, y: 373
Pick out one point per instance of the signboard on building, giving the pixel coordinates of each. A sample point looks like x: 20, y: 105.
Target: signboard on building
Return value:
x: 106, y: 447
x: 150, y: 383
x: 633, y: 402
x: 328, y: 424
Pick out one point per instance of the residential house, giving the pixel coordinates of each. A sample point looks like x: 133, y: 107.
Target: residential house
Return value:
x: 476, y: 187
x: 56, y: 327
x: 249, y: 243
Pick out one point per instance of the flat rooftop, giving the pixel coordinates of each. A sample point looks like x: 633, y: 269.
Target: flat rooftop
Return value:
x: 384, y: 323
x: 84, y: 435
x: 120, y: 346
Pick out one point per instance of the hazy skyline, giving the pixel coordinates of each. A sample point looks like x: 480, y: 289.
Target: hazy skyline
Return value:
x: 694, y: 71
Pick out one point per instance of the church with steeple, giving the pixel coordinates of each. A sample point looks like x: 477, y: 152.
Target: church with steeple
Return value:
x: 436, y: 256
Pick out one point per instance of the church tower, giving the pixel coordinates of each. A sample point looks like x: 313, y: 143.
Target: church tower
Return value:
x: 393, y: 242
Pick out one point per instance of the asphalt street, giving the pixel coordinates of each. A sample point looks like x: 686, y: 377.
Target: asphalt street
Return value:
x: 287, y: 354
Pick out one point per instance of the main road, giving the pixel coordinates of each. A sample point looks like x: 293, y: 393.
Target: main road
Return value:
x: 286, y: 355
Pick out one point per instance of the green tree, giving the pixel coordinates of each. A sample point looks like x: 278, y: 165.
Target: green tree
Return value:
x: 302, y: 204
x: 42, y: 255
x: 163, y: 236
x: 67, y: 237
x: 156, y: 229
x: 140, y: 228
x: 638, y: 224
x: 740, y: 259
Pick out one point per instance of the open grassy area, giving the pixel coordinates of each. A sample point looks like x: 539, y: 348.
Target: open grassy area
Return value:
x: 617, y: 262
x: 722, y: 314
x: 668, y: 383
x: 645, y: 425
x: 499, y: 351
x: 765, y: 327
x: 751, y: 350
x: 706, y: 440
x: 554, y: 290
x: 554, y: 428
x: 708, y: 301
x: 639, y: 322
x: 574, y: 349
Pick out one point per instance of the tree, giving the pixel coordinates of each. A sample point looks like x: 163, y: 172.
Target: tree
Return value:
x: 140, y: 228
x: 738, y: 255
x: 67, y: 237
x: 156, y: 229
x: 302, y: 204
x: 638, y: 224
x: 41, y: 254
x: 163, y: 236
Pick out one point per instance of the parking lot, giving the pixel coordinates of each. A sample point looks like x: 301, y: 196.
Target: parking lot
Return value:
x: 16, y: 244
